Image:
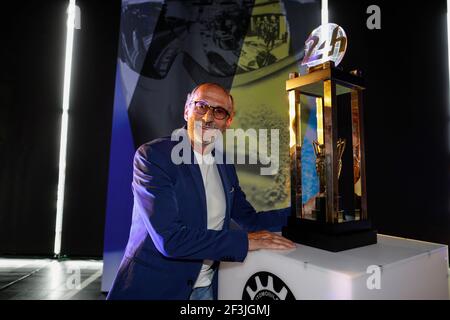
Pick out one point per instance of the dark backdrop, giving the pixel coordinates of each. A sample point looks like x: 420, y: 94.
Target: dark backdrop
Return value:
x: 405, y: 65
x: 31, y: 84
x: 32, y: 60
x: 90, y: 127
x: 406, y: 117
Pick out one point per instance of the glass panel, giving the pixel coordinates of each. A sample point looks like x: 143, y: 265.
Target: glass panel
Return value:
x: 348, y: 202
x: 310, y: 107
x: 356, y: 151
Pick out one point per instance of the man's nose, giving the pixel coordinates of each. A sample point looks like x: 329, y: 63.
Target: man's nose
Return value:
x: 209, y: 115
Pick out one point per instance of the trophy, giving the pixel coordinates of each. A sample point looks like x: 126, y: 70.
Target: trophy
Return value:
x: 328, y: 178
x: 319, y: 151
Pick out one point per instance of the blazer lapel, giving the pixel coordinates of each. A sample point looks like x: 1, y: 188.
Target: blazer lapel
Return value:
x: 226, y: 189
x: 198, y: 182
x: 195, y: 173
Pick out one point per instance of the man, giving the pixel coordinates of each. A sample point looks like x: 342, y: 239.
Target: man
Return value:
x: 181, y: 217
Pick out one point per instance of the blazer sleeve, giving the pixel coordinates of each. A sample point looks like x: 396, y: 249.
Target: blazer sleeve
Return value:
x: 246, y: 216
x: 155, y: 201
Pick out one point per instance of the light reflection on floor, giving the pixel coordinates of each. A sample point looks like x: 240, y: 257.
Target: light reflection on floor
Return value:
x: 47, y: 279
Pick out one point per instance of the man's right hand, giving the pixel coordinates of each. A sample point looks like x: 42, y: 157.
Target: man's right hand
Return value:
x: 268, y: 240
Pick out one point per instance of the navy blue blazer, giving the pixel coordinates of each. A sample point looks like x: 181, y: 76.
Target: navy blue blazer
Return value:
x: 169, y: 238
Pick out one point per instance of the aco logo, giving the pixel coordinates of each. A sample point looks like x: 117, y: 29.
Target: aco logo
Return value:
x: 263, y: 286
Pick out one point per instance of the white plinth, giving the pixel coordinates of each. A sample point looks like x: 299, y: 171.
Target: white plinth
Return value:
x: 409, y: 269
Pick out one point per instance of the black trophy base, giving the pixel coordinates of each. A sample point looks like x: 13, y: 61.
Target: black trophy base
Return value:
x: 331, y: 237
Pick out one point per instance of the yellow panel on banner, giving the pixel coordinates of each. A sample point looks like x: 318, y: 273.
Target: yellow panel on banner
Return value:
x: 261, y: 103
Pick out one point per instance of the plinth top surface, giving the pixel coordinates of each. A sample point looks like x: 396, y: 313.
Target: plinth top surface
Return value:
x: 389, y: 251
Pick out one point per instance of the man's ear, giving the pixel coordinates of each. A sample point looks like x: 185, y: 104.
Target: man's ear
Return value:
x: 229, y: 121
x: 186, y: 112
x: 230, y: 118
x: 186, y: 107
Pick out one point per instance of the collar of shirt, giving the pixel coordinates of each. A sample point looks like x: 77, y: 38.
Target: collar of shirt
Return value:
x: 204, y: 159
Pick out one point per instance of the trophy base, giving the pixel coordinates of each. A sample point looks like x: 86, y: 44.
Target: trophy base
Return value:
x: 331, y: 237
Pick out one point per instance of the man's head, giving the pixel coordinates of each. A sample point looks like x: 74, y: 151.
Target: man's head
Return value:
x: 209, y: 107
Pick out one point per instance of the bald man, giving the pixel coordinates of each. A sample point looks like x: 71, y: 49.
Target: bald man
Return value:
x: 182, y: 212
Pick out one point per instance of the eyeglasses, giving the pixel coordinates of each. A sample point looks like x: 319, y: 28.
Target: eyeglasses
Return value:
x: 202, y: 107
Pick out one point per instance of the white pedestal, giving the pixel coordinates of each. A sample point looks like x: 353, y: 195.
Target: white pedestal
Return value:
x: 408, y: 269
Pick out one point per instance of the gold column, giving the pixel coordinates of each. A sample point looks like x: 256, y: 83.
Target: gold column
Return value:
x: 319, y: 117
x: 295, y: 152
x: 331, y: 156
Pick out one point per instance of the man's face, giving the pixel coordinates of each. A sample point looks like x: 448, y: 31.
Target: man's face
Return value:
x: 201, y: 127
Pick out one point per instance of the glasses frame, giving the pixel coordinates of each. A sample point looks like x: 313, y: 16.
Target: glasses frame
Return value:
x: 213, y: 108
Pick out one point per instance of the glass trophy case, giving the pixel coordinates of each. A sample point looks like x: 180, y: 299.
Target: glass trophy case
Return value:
x: 328, y: 176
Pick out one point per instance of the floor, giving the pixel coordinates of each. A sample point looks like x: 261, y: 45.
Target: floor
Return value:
x: 47, y: 279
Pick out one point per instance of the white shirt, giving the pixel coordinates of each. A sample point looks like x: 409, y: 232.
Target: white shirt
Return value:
x: 215, y: 208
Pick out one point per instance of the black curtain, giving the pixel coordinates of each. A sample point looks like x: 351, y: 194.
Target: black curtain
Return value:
x: 31, y: 85
x: 92, y: 98
x: 405, y: 65
x: 32, y: 63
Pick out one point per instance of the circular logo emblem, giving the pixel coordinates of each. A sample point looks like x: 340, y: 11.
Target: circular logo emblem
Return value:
x: 263, y: 286
x: 326, y: 43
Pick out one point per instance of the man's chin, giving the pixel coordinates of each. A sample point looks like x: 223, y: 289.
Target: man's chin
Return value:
x: 206, y: 143
x: 202, y: 142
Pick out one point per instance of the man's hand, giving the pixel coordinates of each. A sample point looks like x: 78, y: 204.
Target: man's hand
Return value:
x: 268, y: 240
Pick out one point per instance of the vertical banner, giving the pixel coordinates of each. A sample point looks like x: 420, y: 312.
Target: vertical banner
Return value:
x: 166, y: 48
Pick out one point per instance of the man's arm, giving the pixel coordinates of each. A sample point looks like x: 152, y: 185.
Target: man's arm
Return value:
x: 258, y: 223
x: 246, y: 216
x: 154, y: 198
